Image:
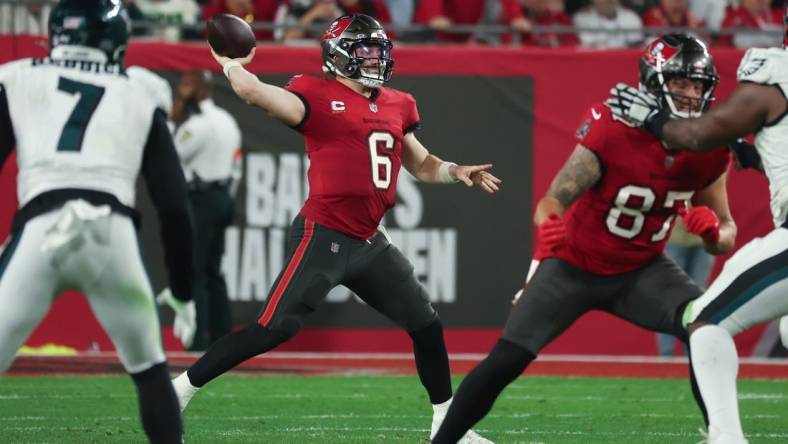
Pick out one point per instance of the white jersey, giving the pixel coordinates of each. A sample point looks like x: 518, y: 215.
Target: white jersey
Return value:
x: 769, y: 66
x: 80, y: 124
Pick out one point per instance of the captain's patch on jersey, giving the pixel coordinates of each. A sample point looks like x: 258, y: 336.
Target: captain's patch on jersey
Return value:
x: 751, y: 67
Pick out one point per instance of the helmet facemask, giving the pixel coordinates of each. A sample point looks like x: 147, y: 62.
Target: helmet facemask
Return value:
x: 357, y: 48
x: 678, y: 56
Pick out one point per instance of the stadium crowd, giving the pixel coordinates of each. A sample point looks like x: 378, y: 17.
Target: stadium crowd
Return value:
x: 542, y: 23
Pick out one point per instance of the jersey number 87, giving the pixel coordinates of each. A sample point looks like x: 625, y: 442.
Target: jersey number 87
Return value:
x: 646, y: 196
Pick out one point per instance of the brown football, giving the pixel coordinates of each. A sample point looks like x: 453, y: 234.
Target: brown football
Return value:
x: 230, y: 36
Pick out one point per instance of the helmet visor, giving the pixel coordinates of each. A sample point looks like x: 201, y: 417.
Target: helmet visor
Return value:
x: 373, y: 58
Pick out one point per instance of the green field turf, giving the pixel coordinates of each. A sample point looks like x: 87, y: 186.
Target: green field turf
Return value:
x: 369, y: 409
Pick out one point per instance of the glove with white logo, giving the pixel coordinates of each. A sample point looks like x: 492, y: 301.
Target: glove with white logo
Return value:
x: 185, y: 324
x: 640, y: 108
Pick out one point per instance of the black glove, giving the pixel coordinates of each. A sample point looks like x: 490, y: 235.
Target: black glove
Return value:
x: 746, y: 155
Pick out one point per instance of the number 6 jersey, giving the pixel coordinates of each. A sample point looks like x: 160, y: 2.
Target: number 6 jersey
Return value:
x: 354, y: 144
x: 624, y: 220
x: 80, y: 124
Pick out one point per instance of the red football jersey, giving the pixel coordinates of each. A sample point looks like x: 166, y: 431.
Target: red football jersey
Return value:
x: 354, y: 144
x: 623, y: 221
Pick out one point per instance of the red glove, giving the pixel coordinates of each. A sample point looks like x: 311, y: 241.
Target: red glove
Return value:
x: 552, y: 234
x: 703, y: 222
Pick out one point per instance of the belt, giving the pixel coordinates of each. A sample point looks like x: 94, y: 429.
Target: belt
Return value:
x: 198, y: 185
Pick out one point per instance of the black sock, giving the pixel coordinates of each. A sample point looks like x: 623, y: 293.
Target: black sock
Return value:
x: 432, y: 361
x: 159, y: 410
x: 479, y: 390
x: 231, y: 350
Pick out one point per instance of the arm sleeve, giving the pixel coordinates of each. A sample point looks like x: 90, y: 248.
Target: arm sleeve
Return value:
x: 411, y: 121
x: 7, y: 138
x: 167, y: 188
x: 592, y: 131
x: 302, y: 87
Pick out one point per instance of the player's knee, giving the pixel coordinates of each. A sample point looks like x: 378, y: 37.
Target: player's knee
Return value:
x: 430, y: 335
x: 509, y: 358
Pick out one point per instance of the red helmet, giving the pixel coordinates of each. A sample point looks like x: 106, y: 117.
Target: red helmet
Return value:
x: 356, y: 47
x: 677, y: 56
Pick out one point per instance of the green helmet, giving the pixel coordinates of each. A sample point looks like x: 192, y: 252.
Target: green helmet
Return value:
x: 76, y: 26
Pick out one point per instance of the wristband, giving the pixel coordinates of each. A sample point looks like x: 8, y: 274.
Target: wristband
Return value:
x: 443, y: 173
x: 226, y: 67
x: 657, y: 124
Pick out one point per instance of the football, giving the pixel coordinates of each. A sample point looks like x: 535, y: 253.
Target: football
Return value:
x: 230, y: 36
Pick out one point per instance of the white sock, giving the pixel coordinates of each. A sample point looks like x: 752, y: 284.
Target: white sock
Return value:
x: 438, y: 413
x: 716, y: 365
x: 184, y: 389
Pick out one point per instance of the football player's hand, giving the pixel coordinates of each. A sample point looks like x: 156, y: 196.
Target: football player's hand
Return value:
x: 703, y: 222
x: 633, y: 105
x: 185, y: 324
x: 476, y: 175
x: 552, y: 234
x: 222, y: 60
x: 746, y: 155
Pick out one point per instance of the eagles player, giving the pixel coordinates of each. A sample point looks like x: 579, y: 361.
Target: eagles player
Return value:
x: 358, y: 134
x: 603, y: 226
x: 84, y: 127
x: 753, y: 285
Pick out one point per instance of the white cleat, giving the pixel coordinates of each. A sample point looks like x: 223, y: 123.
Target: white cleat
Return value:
x: 472, y: 437
x: 716, y: 437
x: 184, y: 389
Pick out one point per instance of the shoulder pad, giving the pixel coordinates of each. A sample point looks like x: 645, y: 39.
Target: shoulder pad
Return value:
x: 762, y: 65
x: 11, y: 69
x: 157, y: 88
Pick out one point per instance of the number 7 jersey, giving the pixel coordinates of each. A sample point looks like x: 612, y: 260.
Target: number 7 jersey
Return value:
x: 354, y: 144
x: 80, y: 124
x: 624, y: 220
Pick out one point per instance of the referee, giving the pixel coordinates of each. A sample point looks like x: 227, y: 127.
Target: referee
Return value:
x: 208, y: 142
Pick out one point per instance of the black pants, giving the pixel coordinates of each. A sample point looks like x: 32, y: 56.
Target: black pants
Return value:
x: 319, y: 258
x: 213, y: 212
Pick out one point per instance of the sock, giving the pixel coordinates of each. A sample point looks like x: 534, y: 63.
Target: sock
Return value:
x: 696, y: 390
x: 480, y: 389
x: 231, y: 350
x: 161, y: 417
x: 438, y: 413
x: 716, y: 364
x: 184, y: 389
x: 432, y: 361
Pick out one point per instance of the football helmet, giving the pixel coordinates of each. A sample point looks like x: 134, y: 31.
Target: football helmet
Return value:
x: 95, y: 30
x: 356, y: 47
x: 678, y: 56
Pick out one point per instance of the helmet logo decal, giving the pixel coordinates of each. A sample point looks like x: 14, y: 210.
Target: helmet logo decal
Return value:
x: 72, y: 22
x: 659, y: 52
x: 337, y: 28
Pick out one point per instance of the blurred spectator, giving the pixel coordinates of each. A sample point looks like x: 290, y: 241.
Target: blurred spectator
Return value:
x: 29, y: 19
x: 753, y: 14
x: 671, y: 13
x: 249, y: 10
x: 611, y: 16
x: 545, y: 13
x: 313, y: 12
x: 441, y: 14
x: 168, y: 16
x: 712, y: 12
x: 401, y: 11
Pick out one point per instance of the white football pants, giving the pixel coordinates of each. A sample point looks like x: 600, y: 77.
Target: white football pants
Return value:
x: 84, y: 248
x: 752, y: 287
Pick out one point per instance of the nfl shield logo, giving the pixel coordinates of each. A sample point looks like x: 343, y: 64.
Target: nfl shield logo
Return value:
x: 334, y: 247
x: 668, y: 161
x: 373, y: 107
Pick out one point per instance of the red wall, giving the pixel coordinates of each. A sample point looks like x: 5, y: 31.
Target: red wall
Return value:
x: 566, y: 82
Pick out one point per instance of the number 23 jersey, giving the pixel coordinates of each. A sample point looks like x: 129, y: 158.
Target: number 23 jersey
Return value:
x: 624, y: 220
x: 354, y: 144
